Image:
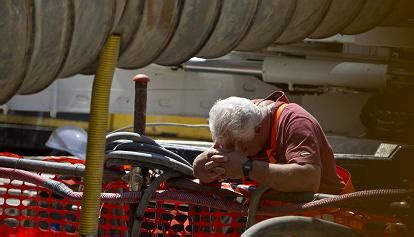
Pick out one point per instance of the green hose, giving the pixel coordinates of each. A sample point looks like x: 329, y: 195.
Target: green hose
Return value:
x: 98, y: 127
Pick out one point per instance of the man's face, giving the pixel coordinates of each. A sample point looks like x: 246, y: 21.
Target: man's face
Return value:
x: 249, y: 147
x: 224, y: 146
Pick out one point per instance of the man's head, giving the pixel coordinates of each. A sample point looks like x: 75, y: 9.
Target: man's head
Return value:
x: 235, y: 124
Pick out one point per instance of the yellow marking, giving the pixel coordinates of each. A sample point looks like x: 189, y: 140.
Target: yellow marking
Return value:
x: 117, y: 121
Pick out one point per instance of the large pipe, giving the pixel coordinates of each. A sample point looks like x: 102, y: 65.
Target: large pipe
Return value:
x: 44, y: 40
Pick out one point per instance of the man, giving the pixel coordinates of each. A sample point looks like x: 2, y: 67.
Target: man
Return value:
x: 271, y: 142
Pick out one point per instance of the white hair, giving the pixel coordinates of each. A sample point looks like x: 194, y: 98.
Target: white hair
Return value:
x: 234, y: 118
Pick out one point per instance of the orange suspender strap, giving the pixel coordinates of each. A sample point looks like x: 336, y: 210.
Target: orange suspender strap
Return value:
x: 346, y: 177
x: 343, y: 173
x: 273, y: 144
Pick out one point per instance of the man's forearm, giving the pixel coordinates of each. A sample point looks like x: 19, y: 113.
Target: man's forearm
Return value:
x: 286, y: 177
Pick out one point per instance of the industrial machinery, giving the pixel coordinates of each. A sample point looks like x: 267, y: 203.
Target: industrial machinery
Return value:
x: 349, y: 63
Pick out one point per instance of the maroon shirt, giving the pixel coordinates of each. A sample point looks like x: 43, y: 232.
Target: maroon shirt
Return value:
x: 301, y: 140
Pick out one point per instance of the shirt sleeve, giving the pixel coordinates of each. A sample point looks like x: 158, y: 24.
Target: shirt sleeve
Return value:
x: 302, y: 143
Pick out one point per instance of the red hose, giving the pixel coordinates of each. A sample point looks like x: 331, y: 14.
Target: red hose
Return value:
x: 202, y: 200
x: 340, y: 200
x: 126, y: 197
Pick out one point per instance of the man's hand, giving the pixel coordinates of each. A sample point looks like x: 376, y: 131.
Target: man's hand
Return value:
x: 200, y: 171
x: 231, y: 162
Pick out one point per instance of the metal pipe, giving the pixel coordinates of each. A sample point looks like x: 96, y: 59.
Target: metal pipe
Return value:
x: 324, y: 72
x: 251, y: 68
x: 137, y: 174
x: 140, y: 106
x: 301, y: 71
x: 76, y: 170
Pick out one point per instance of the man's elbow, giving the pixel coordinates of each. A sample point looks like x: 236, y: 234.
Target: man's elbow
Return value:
x: 314, y: 186
x: 311, y: 178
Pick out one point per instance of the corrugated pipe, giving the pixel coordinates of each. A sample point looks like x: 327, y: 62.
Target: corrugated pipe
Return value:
x: 76, y: 170
x: 97, y: 129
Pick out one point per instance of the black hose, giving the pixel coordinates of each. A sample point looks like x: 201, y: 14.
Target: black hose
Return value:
x: 189, y: 152
x: 142, y: 147
x: 143, y: 151
x: 149, y: 191
x: 148, y: 159
x: 135, y: 137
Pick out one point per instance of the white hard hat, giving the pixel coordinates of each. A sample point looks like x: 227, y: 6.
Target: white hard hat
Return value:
x: 71, y: 139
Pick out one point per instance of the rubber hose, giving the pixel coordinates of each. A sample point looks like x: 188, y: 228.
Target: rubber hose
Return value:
x: 203, y: 200
x: 143, y: 203
x: 126, y: 197
x: 132, y: 146
x: 76, y: 170
x: 135, y: 137
x: 337, y: 201
x: 147, y: 159
x: 62, y: 189
x: 183, y: 147
x: 98, y: 127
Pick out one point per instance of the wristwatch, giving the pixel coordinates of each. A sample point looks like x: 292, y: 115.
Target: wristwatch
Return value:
x: 247, y: 167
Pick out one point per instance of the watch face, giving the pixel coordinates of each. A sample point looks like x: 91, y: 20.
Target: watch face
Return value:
x: 247, y: 167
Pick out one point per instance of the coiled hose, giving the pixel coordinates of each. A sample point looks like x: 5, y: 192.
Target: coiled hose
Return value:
x: 143, y: 147
x: 146, y: 159
x: 135, y: 137
x: 145, y: 152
